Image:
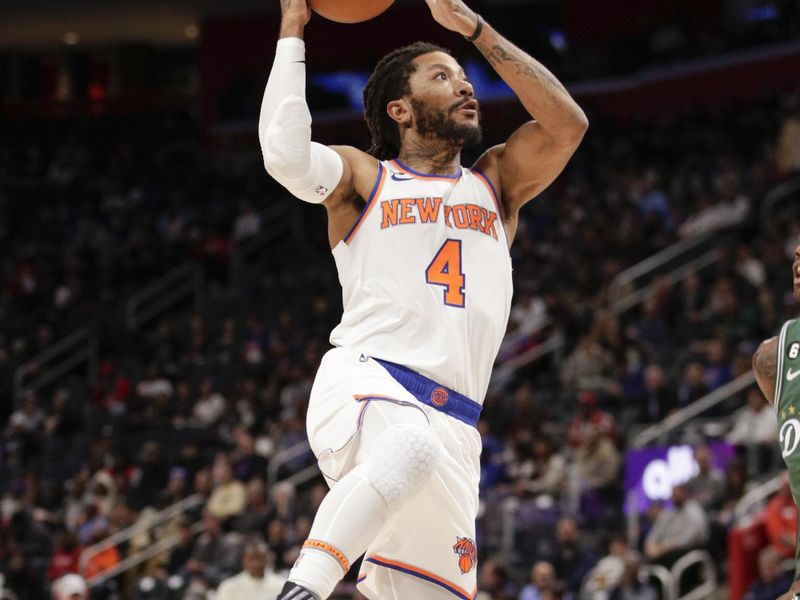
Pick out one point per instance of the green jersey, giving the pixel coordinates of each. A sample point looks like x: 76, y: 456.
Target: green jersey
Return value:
x: 787, y: 407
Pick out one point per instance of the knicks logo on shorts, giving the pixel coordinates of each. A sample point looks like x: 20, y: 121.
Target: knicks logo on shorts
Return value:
x: 467, y: 554
x: 439, y: 396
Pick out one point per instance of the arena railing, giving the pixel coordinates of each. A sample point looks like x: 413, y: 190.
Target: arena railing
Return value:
x: 618, y: 289
x: 182, y: 282
x: 780, y: 195
x: 755, y: 499
x: 706, y: 589
x: 685, y: 260
x: 156, y: 520
x: 284, y: 216
x: 657, y: 572
x: 58, y: 360
x: 660, y: 430
x: 669, y: 590
x: 286, y: 455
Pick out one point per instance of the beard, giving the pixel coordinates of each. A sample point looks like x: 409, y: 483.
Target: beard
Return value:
x: 442, y: 125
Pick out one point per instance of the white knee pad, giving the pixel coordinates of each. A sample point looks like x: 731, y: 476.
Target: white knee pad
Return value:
x: 402, y: 460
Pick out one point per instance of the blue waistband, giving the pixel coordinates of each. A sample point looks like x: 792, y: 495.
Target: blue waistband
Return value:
x: 434, y: 395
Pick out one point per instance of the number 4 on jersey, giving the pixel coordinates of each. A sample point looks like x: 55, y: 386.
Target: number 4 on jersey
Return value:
x: 445, y: 270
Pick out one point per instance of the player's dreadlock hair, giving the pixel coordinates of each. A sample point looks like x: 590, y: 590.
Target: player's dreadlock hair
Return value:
x: 389, y: 81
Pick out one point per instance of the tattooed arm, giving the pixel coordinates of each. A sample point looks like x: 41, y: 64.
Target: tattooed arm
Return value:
x: 538, y: 151
x: 765, y: 365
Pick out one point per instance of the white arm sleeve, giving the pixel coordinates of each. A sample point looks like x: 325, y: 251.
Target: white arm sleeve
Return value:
x: 308, y: 170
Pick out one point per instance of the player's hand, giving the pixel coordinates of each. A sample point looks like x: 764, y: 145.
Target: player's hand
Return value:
x: 454, y: 15
x: 295, y: 10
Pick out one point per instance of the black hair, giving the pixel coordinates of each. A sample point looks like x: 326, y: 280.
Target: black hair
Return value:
x: 389, y: 81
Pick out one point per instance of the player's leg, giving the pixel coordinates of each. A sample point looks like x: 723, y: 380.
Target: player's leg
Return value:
x: 397, y: 454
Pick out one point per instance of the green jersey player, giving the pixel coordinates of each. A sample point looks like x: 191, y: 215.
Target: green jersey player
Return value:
x: 776, y: 365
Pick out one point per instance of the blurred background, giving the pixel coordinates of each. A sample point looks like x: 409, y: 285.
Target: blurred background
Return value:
x: 164, y: 304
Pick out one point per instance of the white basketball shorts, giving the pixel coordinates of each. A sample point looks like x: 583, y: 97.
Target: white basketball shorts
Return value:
x: 427, y: 548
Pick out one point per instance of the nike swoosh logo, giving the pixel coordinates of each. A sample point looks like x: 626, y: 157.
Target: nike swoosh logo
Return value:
x: 396, y: 178
x: 791, y: 374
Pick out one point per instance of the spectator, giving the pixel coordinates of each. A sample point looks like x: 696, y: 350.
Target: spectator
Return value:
x: 155, y: 385
x: 573, y: 558
x: 589, y: 416
x: 651, y: 327
x: 149, y: 478
x: 229, y: 498
x: 209, y: 550
x: 258, y: 512
x: 780, y: 521
x: 20, y: 576
x: 210, y: 407
x: 181, y: 553
x: 631, y: 586
x: 247, y: 223
x: 70, y: 587
x: 608, y: 571
x: 256, y: 581
x: 756, y: 429
x: 545, y: 473
x: 773, y: 581
x: 749, y: 268
x: 718, y: 366
x: 244, y: 460
x: 708, y: 486
x: 29, y: 419
x: 528, y: 315
x: 659, y: 397
x: 542, y: 577
x: 677, y: 530
x: 175, y: 490
x: 589, y: 365
x: 494, y: 582
x: 693, y: 385
x: 597, y: 465
x: 65, y: 558
x: 735, y: 487
x: 103, y: 560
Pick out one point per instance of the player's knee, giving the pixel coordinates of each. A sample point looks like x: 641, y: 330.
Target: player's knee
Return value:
x: 402, y: 461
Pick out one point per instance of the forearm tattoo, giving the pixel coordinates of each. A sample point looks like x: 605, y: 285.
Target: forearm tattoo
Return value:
x: 497, y: 54
x: 766, y: 363
x: 765, y: 367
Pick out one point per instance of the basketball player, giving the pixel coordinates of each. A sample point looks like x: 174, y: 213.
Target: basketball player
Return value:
x: 422, y: 249
x: 776, y: 365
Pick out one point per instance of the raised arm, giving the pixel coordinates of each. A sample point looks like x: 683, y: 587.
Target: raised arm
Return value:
x: 765, y: 366
x: 335, y: 176
x: 538, y: 151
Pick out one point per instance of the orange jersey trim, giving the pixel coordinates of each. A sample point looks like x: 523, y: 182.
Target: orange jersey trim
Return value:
x: 320, y: 545
x: 376, y: 190
x: 422, y: 574
x: 489, y: 186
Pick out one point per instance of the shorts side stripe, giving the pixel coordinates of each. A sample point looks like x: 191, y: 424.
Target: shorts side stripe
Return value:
x: 422, y: 574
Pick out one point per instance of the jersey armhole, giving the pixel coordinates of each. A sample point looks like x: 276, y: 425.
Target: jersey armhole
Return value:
x: 376, y: 190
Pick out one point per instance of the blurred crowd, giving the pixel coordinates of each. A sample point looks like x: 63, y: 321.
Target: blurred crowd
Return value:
x: 199, y: 405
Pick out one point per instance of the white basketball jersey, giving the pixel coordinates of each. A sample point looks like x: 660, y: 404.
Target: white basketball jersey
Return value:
x: 426, y: 276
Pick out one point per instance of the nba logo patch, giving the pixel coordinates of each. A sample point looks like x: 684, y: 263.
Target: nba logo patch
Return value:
x: 467, y: 554
x: 439, y: 396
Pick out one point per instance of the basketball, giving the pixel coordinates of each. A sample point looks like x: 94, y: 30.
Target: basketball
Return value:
x: 465, y: 563
x: 349, y: 11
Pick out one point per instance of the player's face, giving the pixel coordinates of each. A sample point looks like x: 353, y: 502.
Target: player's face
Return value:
x: 796, y: 273
x: 443, y: 100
